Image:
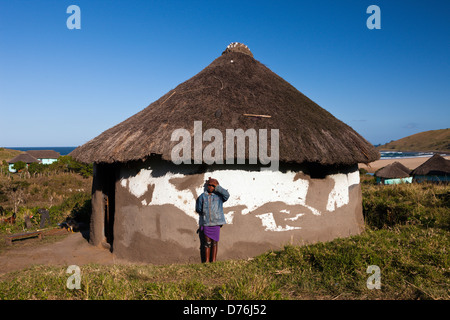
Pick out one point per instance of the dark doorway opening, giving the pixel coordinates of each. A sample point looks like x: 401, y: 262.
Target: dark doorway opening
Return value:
x: 109, y: 200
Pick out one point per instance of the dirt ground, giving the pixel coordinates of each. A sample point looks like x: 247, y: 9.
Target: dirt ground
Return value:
x: 71, y: 249
x: 410, y: 163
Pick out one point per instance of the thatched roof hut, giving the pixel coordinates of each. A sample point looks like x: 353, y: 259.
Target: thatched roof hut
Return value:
x: 392, y: 171
x: 143, y: 203
x: 436, y: 165
x: 24, y: 157
x: 437, y: 169
x: 221, y: 96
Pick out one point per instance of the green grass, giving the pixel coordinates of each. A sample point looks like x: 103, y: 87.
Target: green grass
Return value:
x: 407, y: 236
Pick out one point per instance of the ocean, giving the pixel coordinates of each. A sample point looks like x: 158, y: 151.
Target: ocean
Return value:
x: 64, y: 151
x: 384, y: 154
x: 405, y: 154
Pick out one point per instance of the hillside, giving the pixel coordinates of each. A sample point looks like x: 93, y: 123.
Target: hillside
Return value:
x: 433, y: 140
x: 8, y: 154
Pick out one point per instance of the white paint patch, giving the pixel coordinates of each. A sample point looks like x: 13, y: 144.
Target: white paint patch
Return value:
x: 339, y: 195
x: 254, y: 189
x: 138, y: 184
x: 314, y: 211
x: 164, y: 191
x: 229, y: 217
x: 353, y: 178
x: 295, y: 218
x: 269, y: 222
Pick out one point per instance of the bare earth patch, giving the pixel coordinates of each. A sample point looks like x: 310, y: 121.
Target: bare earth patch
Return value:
x: 71, y: 249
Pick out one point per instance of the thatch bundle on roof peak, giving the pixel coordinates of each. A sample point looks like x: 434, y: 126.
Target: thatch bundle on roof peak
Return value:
x: 238, y: 47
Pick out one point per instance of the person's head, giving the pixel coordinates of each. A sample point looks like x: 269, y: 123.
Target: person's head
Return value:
x: 211, y: 185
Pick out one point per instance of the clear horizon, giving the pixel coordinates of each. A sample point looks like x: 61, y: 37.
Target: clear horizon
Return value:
x: 63, y: 87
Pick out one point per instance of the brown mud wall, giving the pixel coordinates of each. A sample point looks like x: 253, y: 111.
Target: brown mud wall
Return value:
x: 163, y: 234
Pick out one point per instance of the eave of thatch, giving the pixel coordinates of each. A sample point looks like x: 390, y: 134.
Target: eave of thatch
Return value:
x: 220, y: 95
x: 436, y: 165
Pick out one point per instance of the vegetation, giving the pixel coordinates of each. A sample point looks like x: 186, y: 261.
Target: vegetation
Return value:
x: 8, y: 154
x: 407, y: 236
x: 62, y: 187
x: 433, y: 140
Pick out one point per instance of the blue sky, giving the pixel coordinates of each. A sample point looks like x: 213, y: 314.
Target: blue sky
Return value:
x: 62, y: 87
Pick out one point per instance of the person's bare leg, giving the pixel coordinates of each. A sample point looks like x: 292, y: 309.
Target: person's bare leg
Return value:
x: 214, y: 249
x: 208, y: 243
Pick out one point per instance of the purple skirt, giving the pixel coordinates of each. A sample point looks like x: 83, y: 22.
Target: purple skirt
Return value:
x: 212, y: 232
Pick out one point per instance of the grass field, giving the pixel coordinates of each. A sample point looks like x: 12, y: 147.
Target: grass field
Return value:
x: 407, y: 237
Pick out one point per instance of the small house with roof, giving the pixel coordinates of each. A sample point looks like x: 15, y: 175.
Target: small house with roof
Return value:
x: 435, y: 169
x: 44, y: 156
x: 24, y: 157
x: 393, y: 173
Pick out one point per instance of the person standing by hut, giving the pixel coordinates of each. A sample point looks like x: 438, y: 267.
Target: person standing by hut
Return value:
x: 209, y: 206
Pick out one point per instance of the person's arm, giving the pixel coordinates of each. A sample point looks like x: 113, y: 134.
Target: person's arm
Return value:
x: 223, y: 192
x: 199, y: 205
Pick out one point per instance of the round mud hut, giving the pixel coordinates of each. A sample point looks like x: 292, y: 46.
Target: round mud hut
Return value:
x: 291, y: 167
x: 436, y: 169
x: 393, y: 173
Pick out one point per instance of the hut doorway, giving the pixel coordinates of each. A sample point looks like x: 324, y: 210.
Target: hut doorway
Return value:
x: 109, y: 195
x: 103, y: 205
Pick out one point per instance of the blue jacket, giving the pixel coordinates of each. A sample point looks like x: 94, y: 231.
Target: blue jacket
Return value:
x: 210, y: 207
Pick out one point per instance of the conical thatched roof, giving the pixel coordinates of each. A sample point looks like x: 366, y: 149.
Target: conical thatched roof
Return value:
x: 221, y: 96
x: 393, y: 171
x: 436, y: 165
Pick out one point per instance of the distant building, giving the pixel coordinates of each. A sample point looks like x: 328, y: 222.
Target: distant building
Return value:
x: 393, y: 173
x: 44, y: 156
x: 34, y: 156
x: 435, y: 169
x: 24, y: 157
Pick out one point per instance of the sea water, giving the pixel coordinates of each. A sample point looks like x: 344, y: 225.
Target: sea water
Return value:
x: 404, y: 154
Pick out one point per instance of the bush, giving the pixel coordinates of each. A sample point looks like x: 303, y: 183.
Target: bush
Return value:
x: 77, y: 207
x: 68, y: 164
x: 19, y: 165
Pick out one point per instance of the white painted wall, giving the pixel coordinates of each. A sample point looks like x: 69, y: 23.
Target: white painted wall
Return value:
x: 249, y: 188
